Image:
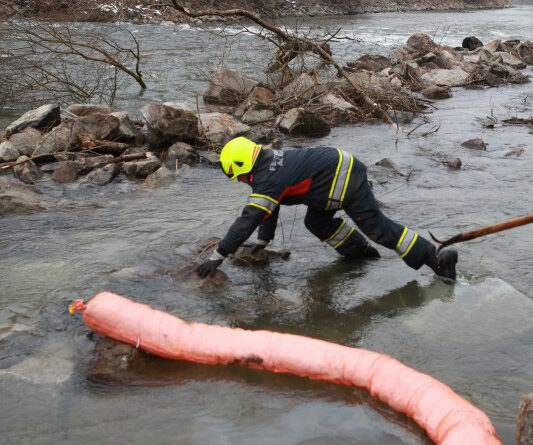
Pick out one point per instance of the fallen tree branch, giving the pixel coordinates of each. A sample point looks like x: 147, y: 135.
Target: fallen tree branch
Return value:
x: 290, y: 39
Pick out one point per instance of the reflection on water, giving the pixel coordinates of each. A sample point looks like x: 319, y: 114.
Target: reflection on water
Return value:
x: 474, y: 336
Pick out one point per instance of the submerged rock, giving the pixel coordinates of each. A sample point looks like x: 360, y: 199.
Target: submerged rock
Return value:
x: 475, y: 144
x: 21, y: 199
x: 160, y: 178
x: 436, y: 92
x: 243, y: 256
x: 453, y: 163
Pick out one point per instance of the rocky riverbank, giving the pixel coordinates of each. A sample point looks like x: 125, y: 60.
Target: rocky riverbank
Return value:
x: 93, y: 144
x: 142, y: 11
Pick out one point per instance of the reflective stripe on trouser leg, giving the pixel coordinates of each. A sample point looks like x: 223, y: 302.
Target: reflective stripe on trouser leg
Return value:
x: 412, y: 248
x: 347, y: 241
x: 340, y: 181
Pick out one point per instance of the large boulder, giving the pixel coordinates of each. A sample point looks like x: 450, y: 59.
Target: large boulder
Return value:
x: 420, y: 44
x: 27, y: 171
x: 445, y: 78
x: 303, y: 87
x: 21, y: 199
x: 446, y: 59
x: 59, y: 139
x: 337, y: 110
x: 26, y: 141
x: 303, y: 122
x: 509, y: 59
x: 8, y: 152
x: 43, y: 117
x: 218, y: 128
x: 472, y: 43
x: 169, y: 122
x: 228, y: 87
x: 97, y: 126
x: 127, y: 131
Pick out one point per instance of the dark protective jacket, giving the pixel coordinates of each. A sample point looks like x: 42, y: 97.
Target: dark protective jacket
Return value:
x: 322, y: 178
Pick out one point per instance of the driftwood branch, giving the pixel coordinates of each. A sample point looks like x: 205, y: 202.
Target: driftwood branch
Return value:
x: 317, y: 48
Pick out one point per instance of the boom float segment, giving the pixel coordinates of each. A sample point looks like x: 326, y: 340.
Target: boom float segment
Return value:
x: 447, y: 418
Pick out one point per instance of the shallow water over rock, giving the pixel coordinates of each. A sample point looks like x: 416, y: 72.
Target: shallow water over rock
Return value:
x: 474, y: 336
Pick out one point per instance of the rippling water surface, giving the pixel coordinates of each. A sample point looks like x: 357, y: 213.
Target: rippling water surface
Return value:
x: 475, y: 336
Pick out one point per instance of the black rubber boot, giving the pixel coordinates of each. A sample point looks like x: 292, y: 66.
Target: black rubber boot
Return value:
x: 363, y: 253
x: 444, y: 263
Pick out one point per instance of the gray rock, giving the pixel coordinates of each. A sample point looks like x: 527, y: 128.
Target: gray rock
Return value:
x: 66, y: 172
x: 303, y: 122
x: 253, y: 111
x: 511, y: 60
x: 26, y: 141
x: 436, y: 92
x: 525, y: 52
x: 169, y: 122
x: 445, y: 78
x: 493, y: 46
x: 102, y: 176
x: 301, y: 88
x: 127, y: 131
x: 141, y: 169
x: 181, y: 152
x: 89, y: 163
x: 472, y: 43
x: 453, y: 163
x: 446, y: 60
x: 60, y: 138
x: 475, y: 144
x: 8, y: 152
x: 228, y: 87
x: 219, y: 128
x: 43, y: 117
x: 97, y: 126
x: 21, y: 199
x: 524, y: 427
x: 27, y: 171
x: 160, y: 178
x: 88, y: 109
x: 370, y: 62
x: 401, y: 117
x: 421, y: 43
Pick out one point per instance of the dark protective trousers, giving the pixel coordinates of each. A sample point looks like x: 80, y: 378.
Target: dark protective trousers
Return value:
x: 363, y: 209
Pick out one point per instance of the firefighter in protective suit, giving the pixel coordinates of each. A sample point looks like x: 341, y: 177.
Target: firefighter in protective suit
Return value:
x: 326, y: 180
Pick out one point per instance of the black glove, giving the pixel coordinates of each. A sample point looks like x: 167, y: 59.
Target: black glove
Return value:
x: 257, y: 247
x: 208, y: 267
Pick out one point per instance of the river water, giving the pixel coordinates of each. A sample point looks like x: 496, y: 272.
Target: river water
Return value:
x: 475, y: 335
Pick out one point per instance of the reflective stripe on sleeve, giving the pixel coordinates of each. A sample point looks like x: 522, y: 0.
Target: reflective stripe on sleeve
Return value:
x: 340, y: 235
x: 264, y: 202
x: 340, y: 181
x: 406, y: 242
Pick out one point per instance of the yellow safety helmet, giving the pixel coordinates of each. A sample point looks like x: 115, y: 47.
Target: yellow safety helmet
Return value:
x: 238, y: 156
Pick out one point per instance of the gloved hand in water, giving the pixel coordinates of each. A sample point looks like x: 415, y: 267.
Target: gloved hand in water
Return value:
x: 209, y: 266
x: 258, y: 246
